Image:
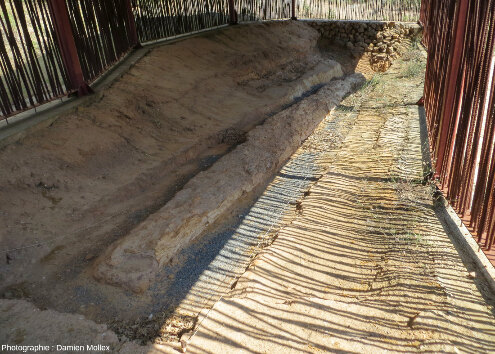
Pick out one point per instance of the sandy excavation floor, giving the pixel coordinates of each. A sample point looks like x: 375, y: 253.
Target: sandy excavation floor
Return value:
x: 359, y: 260
x: 70, y: 190
x: 366, y: 264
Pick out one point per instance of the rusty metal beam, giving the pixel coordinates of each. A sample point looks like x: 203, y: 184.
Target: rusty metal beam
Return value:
x: 449, y: 102
x: 67, y: 45
x: 232, y: 13
x: 133, y: 36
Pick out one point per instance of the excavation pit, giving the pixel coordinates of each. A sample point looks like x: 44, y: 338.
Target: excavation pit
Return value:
x: 125, y: 192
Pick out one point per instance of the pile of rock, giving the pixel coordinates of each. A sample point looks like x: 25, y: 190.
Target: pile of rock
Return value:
x: 381, y: 41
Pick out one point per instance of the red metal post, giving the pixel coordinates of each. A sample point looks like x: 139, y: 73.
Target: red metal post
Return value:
x: 133, y: 37
x: 293, y: 8
x: 449, y: 103
x: 68, y: 50
x: 233, y: 13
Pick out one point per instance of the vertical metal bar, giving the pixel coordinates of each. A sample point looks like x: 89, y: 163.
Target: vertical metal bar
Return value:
x: 232, y: 13
x: 68, y: 50
x: 293, y: 7
x: 133, y: 36
x: 455, y: 55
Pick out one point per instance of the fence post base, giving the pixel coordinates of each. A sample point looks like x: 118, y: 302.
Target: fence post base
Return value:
x: 84, y: 90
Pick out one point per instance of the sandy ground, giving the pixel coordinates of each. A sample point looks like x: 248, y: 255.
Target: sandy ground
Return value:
x: 366, y: 266
x: 70, y: 190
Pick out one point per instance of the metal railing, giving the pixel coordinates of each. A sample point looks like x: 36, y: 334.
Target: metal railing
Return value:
x: 460, y: 107
x: 31, y: 67
x: 379, y: 10
x: 157, y: 19
x: 102, y: 33
x: 256, y: 10
x: 51, y: 48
